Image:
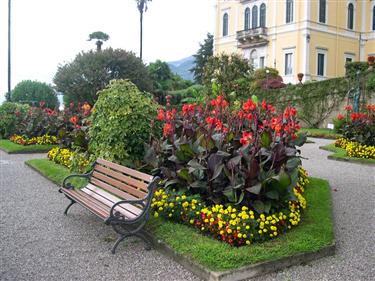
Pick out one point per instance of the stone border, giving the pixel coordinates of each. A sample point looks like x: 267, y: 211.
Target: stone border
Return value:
x: 345, y: 159
x: 244, y: 272
x: 238, y: 274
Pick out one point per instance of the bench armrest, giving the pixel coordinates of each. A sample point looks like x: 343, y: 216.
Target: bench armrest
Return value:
x: 145, y: 203
x: 68, y: 185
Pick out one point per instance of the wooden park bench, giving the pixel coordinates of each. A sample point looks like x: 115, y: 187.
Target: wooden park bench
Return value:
x: 119, y: 195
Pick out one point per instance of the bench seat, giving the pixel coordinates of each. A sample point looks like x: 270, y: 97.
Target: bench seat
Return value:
x: 117, y: 194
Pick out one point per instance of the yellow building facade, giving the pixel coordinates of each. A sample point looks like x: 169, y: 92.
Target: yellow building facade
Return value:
x: 314, y: 37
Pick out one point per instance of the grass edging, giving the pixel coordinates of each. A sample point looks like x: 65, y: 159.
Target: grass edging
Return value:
x: 244, y: 272
x: 340, y: 155
x: 312, y: 239
x: 286, y: 251
x: 14, y: 148
x: 320, y: 133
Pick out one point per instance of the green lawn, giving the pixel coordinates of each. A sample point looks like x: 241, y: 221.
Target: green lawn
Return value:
x: 13, y: 148
x: 340, y: 154
x: 314, y: 232
x: 320, y: 133
x: 54, y: 172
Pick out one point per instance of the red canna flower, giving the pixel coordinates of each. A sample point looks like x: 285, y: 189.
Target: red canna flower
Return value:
x: 74, y: 120
x: 161, y: 115
x: 348, y: 108
x: 246, y: 138
x: 168, y: 129
x: 340, y: 117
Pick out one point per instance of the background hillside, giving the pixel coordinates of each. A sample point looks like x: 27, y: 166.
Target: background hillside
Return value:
x: 182, y: 67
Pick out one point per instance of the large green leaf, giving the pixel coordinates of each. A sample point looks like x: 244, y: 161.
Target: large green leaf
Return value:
x: 273, y: 194
x: 255, y: 189
x: 184, y: 174
x: 218, y: 170
x: 258, y: 206
x: 293, y: 163
x: 265, y: 140
x: 234, y: 161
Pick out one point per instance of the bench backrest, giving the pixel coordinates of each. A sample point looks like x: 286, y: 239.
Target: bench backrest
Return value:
x: 121, y: 181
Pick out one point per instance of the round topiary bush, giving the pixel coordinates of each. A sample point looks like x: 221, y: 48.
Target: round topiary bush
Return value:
x: 33, y: 93
x: 120, y: 123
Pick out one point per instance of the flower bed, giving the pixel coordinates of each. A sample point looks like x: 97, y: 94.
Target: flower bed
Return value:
x: 355, y: 149
x: 73, y: 160
x: 237, y: 227
x: 23, y: 140
x: 232, y: 171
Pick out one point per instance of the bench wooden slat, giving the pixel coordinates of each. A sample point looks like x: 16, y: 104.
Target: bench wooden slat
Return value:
x: 116, y: 187
x: 135, y: 183
x: 110, y: 200
x: 126, y: 170
x: 88, y: 204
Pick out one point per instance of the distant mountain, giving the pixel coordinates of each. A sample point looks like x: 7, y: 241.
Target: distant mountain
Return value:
x: 182, y: 67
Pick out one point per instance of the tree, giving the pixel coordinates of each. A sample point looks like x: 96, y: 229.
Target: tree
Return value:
x: 91, y: 71
x: 142, y: 7
x: 201, y: 58
x: 232, y: 72
x: 164, y: 80
x: 99, y: 37
x: 9, y: 46
x: 33, y: 93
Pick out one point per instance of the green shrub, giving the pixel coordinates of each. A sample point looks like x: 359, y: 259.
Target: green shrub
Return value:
x: 190, y: 94
x: 11, y: 115
x: 33, y: 93
x: 120, y: 123
x: 91, y: 72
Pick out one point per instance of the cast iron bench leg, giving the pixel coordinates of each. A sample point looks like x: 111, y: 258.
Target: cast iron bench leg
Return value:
x: 70, y: 205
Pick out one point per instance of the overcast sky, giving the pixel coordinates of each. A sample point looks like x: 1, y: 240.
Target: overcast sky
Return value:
x: 46, y: 33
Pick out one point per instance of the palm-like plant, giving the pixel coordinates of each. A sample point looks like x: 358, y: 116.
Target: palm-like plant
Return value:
x: 99, y: 37
x: 142, y: 7
x: 9, y: 46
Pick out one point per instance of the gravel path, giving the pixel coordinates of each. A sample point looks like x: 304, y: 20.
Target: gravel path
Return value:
x: 42, y: 244
x: 354, y: 216
x: 37, y: 242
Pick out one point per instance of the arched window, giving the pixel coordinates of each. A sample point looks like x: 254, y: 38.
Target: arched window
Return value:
x: 247, y: 18
x: 225, y: 24
x: 262, y: 20
x: 289, y: 11
x: 350, y: 16
x: 373, y: 18
x: 322, y: 11
x: 254, y: 15
x: 253, y: 58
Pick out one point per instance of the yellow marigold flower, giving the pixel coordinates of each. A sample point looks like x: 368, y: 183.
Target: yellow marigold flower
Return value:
x: 247, y: 242
x: 156, y: 214
x: 233, y: 216
x: 191, y: 221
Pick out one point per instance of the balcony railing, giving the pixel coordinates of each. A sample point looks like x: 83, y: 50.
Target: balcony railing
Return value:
x: 251, y: 37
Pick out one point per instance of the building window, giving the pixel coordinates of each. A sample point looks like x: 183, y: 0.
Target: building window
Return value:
x: 247, y: 18
x: 320, y: 70
x: 288, y: 64
x: 289, y: 11
x: 225, y: 24
x: 253, y: 58
x: 350, y: 16
x: 322, y: 11
x: 373, y: 18
x: 262, y: 15
x: 254, y: 15
x: 261, y: 62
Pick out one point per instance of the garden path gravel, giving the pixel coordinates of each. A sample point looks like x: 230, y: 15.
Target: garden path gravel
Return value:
x: 353, y: 196
x: 38, y: 243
